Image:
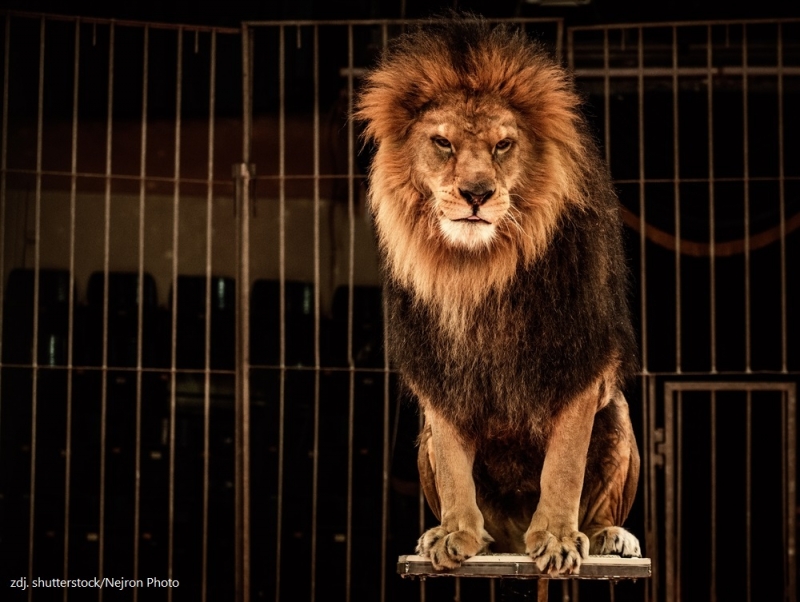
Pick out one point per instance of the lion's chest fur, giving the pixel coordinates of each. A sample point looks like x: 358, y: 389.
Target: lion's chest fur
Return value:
x: 520, y: 353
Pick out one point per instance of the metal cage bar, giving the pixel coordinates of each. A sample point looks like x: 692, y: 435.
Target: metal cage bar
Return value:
x: 140, y: 307
x: 71, y: 311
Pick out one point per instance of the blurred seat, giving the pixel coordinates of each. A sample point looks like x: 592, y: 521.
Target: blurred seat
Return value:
x: 53, y: 317
x: 367, y: 327
x: 123, y: 320
x: 265, y: 321
x: 191, y: 326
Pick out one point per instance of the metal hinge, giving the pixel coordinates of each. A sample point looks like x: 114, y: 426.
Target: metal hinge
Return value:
x: 659, y: 447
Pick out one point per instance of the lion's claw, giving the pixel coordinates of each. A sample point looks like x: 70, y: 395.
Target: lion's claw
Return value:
x: 615, y: 540
x: 557, y: 556
x: 448, y: 550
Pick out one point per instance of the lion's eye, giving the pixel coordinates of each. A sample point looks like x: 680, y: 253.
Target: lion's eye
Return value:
x: 503, y: 145
x: 442, y: 143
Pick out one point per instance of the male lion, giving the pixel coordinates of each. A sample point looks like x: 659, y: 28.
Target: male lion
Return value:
x: 505, y: 278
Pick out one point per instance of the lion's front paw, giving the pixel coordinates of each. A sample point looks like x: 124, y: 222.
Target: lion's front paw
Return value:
x: 448, y: 550
x: 615, y: 540
x: 557, y: 556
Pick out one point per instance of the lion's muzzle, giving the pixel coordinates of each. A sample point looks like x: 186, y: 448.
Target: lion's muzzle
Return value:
x: 476, y: 195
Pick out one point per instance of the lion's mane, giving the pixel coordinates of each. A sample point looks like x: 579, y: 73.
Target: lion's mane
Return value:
x: 501, y: 337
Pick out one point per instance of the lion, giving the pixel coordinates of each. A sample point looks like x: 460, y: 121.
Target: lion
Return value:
x: 505, y: 280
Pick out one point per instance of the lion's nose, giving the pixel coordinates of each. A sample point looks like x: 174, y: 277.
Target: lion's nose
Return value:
x: 476, y: 195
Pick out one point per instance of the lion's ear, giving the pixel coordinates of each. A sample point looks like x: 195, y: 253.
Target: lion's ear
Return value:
x: 389, y: 106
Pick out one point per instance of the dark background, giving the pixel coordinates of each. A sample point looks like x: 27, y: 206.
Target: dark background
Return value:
x: 232, y: 12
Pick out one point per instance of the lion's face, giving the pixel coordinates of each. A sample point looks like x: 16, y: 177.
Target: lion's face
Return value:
x: 478, y: 154
x: 467, y: 162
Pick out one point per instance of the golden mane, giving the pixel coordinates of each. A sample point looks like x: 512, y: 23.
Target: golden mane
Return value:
x: 446, y: 64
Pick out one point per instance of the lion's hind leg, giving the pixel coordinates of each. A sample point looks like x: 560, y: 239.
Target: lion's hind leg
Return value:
x: 611, y: 480
x: 445, y: 467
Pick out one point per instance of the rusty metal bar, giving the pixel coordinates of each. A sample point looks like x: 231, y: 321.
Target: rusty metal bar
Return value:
x: 207, y: 360
x: 173, y: 396
x: 677, y: 198
x: 782, y: 201
x: 748, y: 492
x: 386, y: 409
x: 36, y: 272
x: 317, y: 313
x: 118, y: 22
x: 654, y: 458
x: 790, y: 489
x: 642, y: 194
x: 71, y: 301
x: 243, y: 209
x: 106, y: 269
x: 606, y: 98
x: 351, y: 220
x: 671, y: 585
x: 3, y: 171
x: 421, y: 503
x: 712, y: 264
x: 137, y: 495
x: 282, y: 280
x: 698, y: 72
x: 384, y: 22
x: 678, y: 450
x: 713, y: 443
x: 746, y: 158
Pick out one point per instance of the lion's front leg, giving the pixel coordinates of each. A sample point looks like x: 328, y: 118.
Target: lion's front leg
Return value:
x: 445, y: 463
x: 553, y: 540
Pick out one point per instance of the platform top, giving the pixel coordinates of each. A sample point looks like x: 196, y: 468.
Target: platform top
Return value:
x: 521, y: 566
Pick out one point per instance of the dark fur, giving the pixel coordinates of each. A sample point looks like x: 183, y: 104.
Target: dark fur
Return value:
x: 537, y: 343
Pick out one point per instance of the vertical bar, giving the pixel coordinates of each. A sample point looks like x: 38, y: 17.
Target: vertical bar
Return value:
x: 711, y: 212
x: 676, y: 183
x: 317, y: 332
x: 282, y: 278
x: 422, y: 502
x: 671, y: 585
x: 713, y: 443
x: 244, y: 290
x: 140, y: 309
x: 746, y: 176
x: 571, y: 49
x: 787, y: 510
x: 386, y: 448
x: 651, y: 493
x: 173, y: 402
x: 36, y: 266
x: 678, y: 449
x: 207, y: 363
x: 351, y: 218
x: 791, y: 492
x: 71, y: 301
x: 782, y: 201
x: 560, y: 40
x: 606, y: 98
x: 243, y: 346
x: 748, y: 484
x: 3, y: 166
x: 106, y: 255
x: 642, y: 220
